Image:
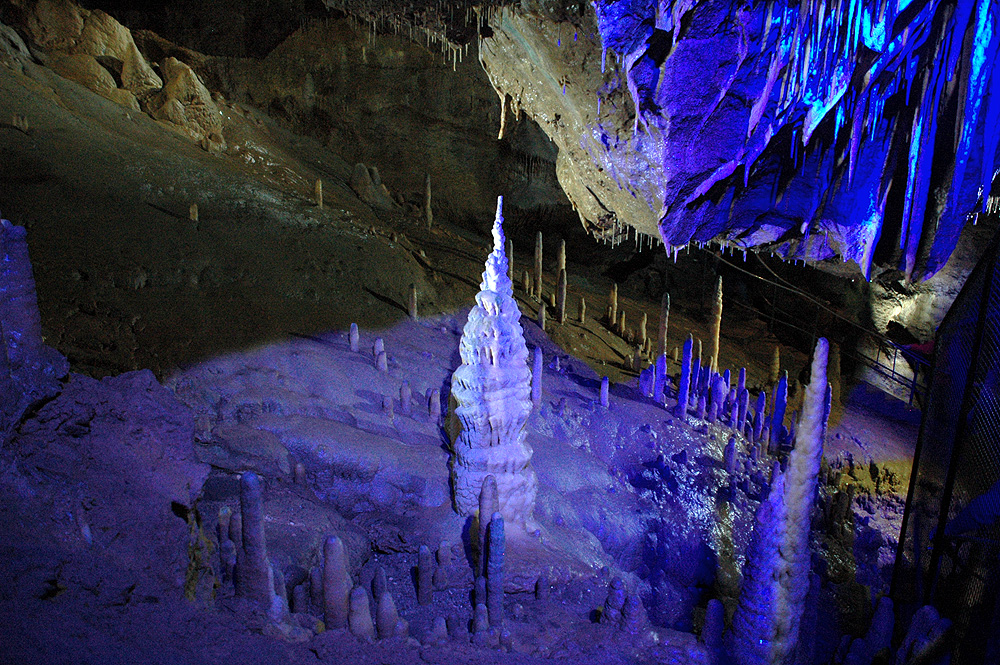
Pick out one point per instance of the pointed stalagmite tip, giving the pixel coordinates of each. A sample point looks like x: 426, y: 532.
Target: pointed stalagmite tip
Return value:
x: 495, y: 278
x: 498, y: 237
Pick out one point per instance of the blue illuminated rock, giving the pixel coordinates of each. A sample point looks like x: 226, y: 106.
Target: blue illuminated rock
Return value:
x: 774, y: 125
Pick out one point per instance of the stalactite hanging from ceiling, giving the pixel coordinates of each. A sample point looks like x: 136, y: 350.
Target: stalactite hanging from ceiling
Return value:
x: 914, y: 79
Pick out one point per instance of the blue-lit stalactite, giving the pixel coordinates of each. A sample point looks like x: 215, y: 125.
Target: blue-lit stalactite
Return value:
x: 880, y: 74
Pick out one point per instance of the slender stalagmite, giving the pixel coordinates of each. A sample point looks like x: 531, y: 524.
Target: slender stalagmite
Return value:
x: 360, y: 617
x: 561, y: 263
x: 496, y: 542
x: 405, y: 398
x: 252, y: 565
x: 561, y: 296
x: 759, y: 416
x: 425, y: 575
x: 336, y: 583
x: 641, y: 341
x: 800, y: 499
x: 583, y: 310
x: 613, y: 306
x: 386, y: 616
x: 526, y: 283
x: 716, y: 327
x: 541, y: 315
x: 621, y: 322
x: 684, y: 389
x: 743, y: 404
x: 412, y: 302
x: 318, y: 193
x: 428, y: 212
x: 434, y: 405
x: 696, y: 371
x: 193, y: 212
x: 489, y: 503
x: 775, y: 374
x: 538, y: 266
x: 780, y: 403
x: 605, y: 385
x: 659, y: 378
x: 661, y: 348
x: 379, y: 582
x: 355, y: 337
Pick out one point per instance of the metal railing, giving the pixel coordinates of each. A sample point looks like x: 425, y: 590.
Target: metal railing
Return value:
x: 888, y: 356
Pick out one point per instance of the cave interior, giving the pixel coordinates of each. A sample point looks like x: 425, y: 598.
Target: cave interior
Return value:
x: 541, y: 332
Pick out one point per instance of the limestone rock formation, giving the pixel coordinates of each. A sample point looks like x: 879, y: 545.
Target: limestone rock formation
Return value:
x: 186, y: 105
x: 62, y: 27
x: 88, y: 72
x: 29, y: 370
x: 96, y: 51
x: 492, y: 387
x: 367, y: 184
x: 692, y: 120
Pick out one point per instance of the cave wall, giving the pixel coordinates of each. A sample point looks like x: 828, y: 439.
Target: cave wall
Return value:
x: 406, y: 106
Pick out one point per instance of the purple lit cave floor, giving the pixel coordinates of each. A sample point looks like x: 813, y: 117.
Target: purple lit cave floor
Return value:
x: 99, y: 549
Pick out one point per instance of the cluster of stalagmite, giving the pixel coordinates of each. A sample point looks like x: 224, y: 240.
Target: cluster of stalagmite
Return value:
x: 492, y: 388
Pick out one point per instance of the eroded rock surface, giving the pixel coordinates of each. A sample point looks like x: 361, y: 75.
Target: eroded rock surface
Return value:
x: 96, y: 51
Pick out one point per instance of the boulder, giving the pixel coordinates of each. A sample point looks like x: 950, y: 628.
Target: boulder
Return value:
x: 185, y: 105
x: 104, y: 37
x: 60, y: 26
x: 238, y: 448
x: 367, y: 184
x: 88, y: 72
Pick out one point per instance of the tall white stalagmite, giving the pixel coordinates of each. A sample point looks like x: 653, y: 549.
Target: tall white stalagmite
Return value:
x: 538, y: 266
x: 776, y: 575
x: 661, y: 348
x: 561, y: 296
x: 713, y: 340
x: 800, y: 495
x: 775, y: 374
x: 492, y: 387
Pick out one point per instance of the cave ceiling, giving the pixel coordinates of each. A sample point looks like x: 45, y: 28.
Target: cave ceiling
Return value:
x: 829, y: 131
